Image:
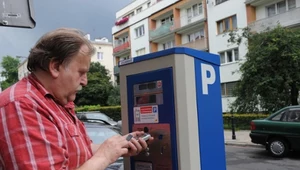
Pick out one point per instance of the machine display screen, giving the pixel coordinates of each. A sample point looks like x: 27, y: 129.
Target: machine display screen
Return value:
x: 148, y: 93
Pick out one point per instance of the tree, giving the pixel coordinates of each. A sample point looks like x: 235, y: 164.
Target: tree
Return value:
x: 98, y: 88
x: 114, y: 97
x: 10, y: 71
x: 270, y: 73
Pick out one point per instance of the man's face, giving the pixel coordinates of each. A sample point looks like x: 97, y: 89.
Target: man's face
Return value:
x: 72, y: 77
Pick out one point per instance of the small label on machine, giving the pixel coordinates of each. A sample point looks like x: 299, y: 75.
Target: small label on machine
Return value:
x: 143, y: 166
x: 145, y: 114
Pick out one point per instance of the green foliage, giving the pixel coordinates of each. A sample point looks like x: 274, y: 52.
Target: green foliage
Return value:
x: 112, y: 111
x: 270, y: 73
x: 10, y: 71
x: 242, y: 121
x: 114, y: 97
x: 98, y: 88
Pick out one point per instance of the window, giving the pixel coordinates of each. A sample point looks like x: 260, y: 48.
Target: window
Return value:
x: 139, y: 10
x: 227, y: 24
x: 279, y: 117
x: 140, y: 31
x: 291, y: 115
x: 140, y: 52
x: 271, y: 10
x: 167, y: 19
x: 148, y: 4
x: 168, y: 44
x: 196, y: 35
x: 229, y: 56
x: 220, y: 1
x: 227, y: 89
x: 195, y: 10
x: 280, y: 7
x: 121, y: 41
x: 100, y: 55
x: 291, y: 4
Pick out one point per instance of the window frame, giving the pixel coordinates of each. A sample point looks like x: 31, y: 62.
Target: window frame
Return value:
x: 222, y: 23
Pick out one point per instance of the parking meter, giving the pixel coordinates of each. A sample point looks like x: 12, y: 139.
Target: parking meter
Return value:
x: 174, y: 95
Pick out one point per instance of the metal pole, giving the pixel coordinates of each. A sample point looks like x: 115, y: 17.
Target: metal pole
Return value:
x: 232, y: 126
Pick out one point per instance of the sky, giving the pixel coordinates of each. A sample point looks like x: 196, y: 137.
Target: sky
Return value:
x: 95, y: 17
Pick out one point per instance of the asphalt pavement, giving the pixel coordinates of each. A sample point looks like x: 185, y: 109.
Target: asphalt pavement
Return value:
x: 253, y: 158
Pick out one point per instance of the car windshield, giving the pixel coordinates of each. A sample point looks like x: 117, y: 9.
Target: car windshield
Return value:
x: 99, y: 134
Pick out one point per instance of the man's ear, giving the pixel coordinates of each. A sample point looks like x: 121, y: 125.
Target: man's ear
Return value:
x: 54, y: 68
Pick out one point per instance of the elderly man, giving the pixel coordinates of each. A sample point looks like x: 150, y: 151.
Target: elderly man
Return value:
x: 39, y: 128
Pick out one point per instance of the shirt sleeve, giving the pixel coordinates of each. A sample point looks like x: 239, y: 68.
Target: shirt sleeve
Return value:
x: 29, y: 139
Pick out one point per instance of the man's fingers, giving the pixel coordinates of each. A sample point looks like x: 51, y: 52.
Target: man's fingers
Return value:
x: 137, y: 133
x: 143, y: 143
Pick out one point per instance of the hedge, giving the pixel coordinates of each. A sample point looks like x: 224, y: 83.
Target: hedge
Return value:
x: 242, y: 121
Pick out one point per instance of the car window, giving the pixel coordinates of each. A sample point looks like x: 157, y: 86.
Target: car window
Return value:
x: 99, y: 135
x: 293, y: 116
x: 97, y: 116
x: 279, y: 117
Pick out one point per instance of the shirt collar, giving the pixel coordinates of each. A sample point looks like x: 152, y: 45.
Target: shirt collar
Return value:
x: 38, y: 85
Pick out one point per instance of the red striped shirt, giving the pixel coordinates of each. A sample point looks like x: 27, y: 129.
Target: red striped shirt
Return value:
x: 37, y: 133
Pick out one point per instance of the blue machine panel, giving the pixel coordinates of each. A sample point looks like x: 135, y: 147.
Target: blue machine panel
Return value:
x: 151, y: 105
x: 210, y: 120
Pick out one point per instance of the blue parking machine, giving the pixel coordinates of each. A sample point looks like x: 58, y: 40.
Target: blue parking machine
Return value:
x: 175, y: 95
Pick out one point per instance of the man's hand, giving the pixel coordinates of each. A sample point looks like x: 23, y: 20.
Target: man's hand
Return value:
x: 136, y: 144
x: 113, y: 148
x: 117, y: 146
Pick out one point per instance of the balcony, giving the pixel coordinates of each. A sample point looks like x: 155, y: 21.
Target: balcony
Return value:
x: 187, y: 20
x: 116, y: 70
x: 199, y: 44
x: 289, y: 18
x: 162, y: 30
x: 258, y: 2
x: 122, y: 47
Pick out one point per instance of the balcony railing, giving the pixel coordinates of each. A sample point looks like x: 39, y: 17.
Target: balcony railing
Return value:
x: 116, y: 70
x: 288, y: 18
x: 163, y: 29
x: 122, y: 47
x: 199, y: 44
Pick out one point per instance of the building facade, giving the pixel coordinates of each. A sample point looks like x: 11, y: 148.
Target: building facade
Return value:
x: 104, y: 55
x: 149, y: 26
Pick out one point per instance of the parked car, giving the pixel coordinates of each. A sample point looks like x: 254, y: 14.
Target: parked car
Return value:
x: 96, y: 116
x: 280, y: 132
x: 99, y: 132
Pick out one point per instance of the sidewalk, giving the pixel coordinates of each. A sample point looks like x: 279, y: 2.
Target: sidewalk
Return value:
x: 242, y: 138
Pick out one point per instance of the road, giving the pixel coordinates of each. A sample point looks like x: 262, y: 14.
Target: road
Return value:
x: 251, y: 158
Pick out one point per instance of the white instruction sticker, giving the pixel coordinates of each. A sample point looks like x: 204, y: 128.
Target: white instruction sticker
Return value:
x: 145, y: 114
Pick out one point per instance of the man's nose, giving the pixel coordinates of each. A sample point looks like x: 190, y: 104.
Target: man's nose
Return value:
x: 84, y: 80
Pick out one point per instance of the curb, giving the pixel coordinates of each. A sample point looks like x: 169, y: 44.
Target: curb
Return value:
x: 234, y: 143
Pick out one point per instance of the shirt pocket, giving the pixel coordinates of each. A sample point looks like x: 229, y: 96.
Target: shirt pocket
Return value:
x: 72, y: 130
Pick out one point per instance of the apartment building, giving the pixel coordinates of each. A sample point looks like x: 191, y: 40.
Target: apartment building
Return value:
x: 200, y: 25
x: 223, y: 16
x: 104, y: 55
x: 148, y: 26
x: 182, y: 24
